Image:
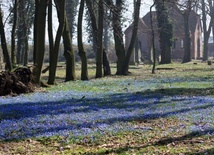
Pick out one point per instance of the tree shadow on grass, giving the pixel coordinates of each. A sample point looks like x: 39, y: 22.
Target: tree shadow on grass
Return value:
x: 180, y: 91
x: 164, y: 142
x: 106, y: 109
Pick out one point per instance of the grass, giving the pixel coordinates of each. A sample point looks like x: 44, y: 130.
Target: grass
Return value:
x: 170, y: 112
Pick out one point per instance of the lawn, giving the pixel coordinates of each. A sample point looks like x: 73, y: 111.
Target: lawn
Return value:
x: 170, y: 112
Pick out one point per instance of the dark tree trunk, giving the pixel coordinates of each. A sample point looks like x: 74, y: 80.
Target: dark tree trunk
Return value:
x: 69, y: 53
x: 82, y: 53
x: 97, y: 35
x: 26, y: 51
x: 136, y: 51
x: 39, y: 38
x: 187, y: 41
x: 206, y: 31
x: 118, y: 36
x: 8, y: 65
x: 21, y: 32
x: 106, y: 65
x: 153, y: 40
x: 50, y: 30
x: 71, y: 6
x: 99, y: 56
x: 133, y: 39
x: 165, y: 31
x: 13, y: 33
x: 54, y: 56
x: 93, y: 24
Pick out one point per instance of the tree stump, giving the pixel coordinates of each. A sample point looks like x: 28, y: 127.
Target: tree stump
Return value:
x: 209, y: 62
x: 16, y: 82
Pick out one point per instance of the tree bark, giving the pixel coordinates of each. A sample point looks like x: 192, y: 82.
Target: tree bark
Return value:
x: 99, y: 56
x: 50, y: 30
x: 165, y: 31
x: 187, y: 41
x: 13, y: 34
x: 69, y: 54
x: 106, y: 65
x: 39, y: 38
x: 8, y: 65
x: 118, y: 34
x: 71, y: 11
x: 60, y: 4
x: 206, y: 31
x: 93, y: 24
x: 82, y: 53
x: 153, y: 40
x: 133, y: 38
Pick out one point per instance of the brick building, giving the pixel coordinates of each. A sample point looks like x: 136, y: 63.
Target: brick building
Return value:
x: 144, y: 35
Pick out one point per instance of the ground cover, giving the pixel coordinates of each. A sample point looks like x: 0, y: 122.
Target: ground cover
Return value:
x: 170, y: 112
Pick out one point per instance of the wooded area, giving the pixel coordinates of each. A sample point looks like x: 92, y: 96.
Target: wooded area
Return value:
x: 104, y: 17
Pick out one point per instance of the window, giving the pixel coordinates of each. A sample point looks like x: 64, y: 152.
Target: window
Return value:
x: 182, y: 43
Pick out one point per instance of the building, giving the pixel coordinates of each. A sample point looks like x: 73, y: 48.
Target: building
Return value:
x: 144, y: 35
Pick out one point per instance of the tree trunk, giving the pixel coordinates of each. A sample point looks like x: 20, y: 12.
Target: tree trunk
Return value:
x: 187, y: 40
x: 50, y: 30
x: 39, y: 40
x: 165, y: 31
x: 82, y: 53
x: 133, y: 38
x: 20, y: 32
x: 106, y: 32
x: 71, y: 11
x: 118, y: 35
x: 13, y: 33
x: 153, y: 39
x: 60, y: 4
x: 206, y: 31
x: 99, y: 56
x: 25, y: 41
x: 26, y: 51
x: 69, y: 54
x: 106, y: 65
x: 8, y: 65
x: 97, y: 35
x: 93, y: 25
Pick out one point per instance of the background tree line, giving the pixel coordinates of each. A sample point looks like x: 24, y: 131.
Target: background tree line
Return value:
x: 104, y: 17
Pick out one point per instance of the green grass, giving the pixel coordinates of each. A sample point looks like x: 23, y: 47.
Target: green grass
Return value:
x: 165, y: 135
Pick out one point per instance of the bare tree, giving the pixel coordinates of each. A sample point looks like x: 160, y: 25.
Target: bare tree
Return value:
x: 39, y: 38
x: 133, y: 38
x: 13, y: 32
x: 165, y: 31
x: 185, y: 8
x: 207, y: 29
x: 8, y: 65
x: 60, y: 5
x: 82, y: 53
